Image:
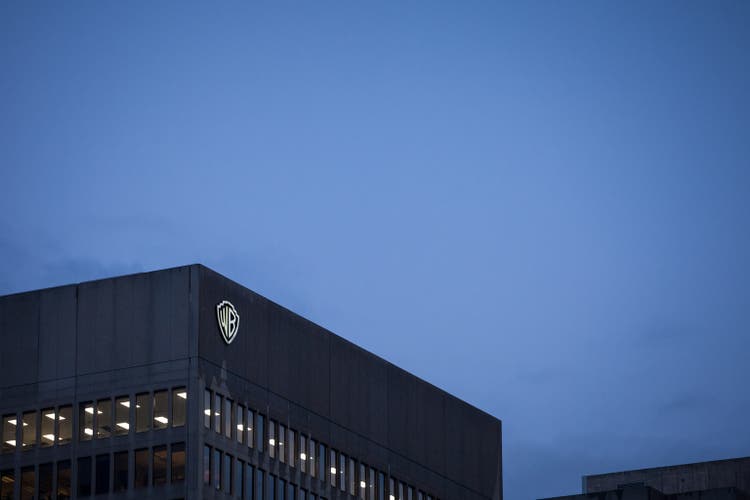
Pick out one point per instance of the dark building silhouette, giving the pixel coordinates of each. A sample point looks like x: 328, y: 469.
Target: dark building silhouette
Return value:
x: 716, y: 480
x: 183, y: 384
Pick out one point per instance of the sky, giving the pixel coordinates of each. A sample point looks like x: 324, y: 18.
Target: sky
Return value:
x: 541, y: 207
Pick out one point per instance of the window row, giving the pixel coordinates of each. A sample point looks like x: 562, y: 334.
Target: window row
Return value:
x: 240, y: 423
x: 239, y: 479
x: 98, y: 475
x: 96, y: 419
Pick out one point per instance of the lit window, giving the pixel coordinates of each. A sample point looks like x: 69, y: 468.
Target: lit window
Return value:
x: 179, y: 406
x: 342, y: 472
x: 48, y: 427
x: 332, y: 466
x: 282, y: 438
x: 391, y: 490
x: 217, y: 413
x: 65, y: 424
x: 142, y: 412
x: 290, y: 440
x: 122, y: 415
x: 362, y: 482
x: 240, y: 423
x: 103, y: 418
x: 312, y: 447
x: 250, y: 420
x: 207, y: 409
x: 28, y: 430
x: 272, y: 438
x: 10, y: 424
x: 7, y: 483
x: 302, y: 453
x: 161, y: 410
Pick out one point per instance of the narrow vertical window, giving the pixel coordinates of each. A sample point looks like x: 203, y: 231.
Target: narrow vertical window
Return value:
x: 311, y: 454
x: 7, y: 484
x: 64, y: 487
x: 216, y: 473
x: 28, y: 430
x: 206, y: 464
x: 207, y: 409
x: 239, y: 483
x: 48, y: 427
x: 142, y: 412
x: 271, y: 487
x: 179, y: 406
x: 410, y: 493
x: 84, y: 477
x: 240, y: 423
x: 391, y: 490
x: 362, y: 482
x: 249, y: 482
x: 290, y: 440
x: 45, y: 481
x: 65, y: 425
x: 28, y: 478
x: 250, y: 419
x: 85, y: 421
x: 291, y: 493
x: 420, y: 495
x: 281, y: 489
x: 228, y: 418
x: 381, y: 486
x: 302, y: 453
x: 322, y: 462
x: 10, y: 425
x: 272, y: 438
x: 401, y: 488
x: 259, y: 484
x: 178, y: 462
x: 160, y: 465
x: 332, y: 466
x: 161, y: 410
x: 120, y: 477
x: 101, y: 474
x: 282, y: 438
x: 103, y: 418
x: 140, y: 468
x: 217, y: 413
x: 260, y: 436
x: 351, y: 478
x: 342, y: 472
x: 122, y: 415
x: 226, y: 481
x: 371, y: 484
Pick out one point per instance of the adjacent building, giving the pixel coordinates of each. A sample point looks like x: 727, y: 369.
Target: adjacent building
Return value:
x: 183, y: 384
x: 715, y: 480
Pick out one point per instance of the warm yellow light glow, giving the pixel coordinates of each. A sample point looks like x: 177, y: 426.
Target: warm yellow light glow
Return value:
x: 49, y: 437
x: 12, y: 421
x: 11, y: 442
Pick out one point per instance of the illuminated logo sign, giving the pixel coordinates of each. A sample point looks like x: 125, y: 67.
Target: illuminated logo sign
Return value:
x: 229, y: 320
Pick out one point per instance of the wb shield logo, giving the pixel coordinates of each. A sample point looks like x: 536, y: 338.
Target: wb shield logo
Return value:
x: 229, y: 320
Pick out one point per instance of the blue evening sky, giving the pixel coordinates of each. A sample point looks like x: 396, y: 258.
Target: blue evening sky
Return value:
x: 541, y: 207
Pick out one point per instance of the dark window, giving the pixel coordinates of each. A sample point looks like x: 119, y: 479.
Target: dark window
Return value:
x: 216, y: 462
x: 342, y: 472
x: 259, y: 432
x: 161, y: 409
x: 7, y: 483
x: 259, y: 484
x: 85, y: 421
x: 47, y: 432
x: 10, y: 424
x: 122, y: 415
x: 178, y: 462
x: 271, y: 487
x: 226, y: 481
x: 65, y: 425
x: 290, y: 493
x: 27, y: 483
x: 249, y: 482
x: 302, y: 494
x: 291, y: 439
x: 207, y: 408
x: 179, y: 403
x: 142, y: 412
x: 381, y: 486
x: 121, y: 471
x: 228, y: 418
x: 63, y: 480
x: 104, y: 418
x: 281, y: 489
x: 350, y: 477
x: 322, y: 461
x: 239, y: 471
x: 371, y: 485
x: 140, y: 468
x: 160, y: 465
x: 410, y: 493
x: 29, y: 429
x: 250, y: 420
x: 206, y: 464
x: 45, y: 481
x: 102, y: 474
x: 84, y: 476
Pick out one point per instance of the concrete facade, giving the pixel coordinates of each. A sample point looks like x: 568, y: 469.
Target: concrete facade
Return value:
x: 145, y: 333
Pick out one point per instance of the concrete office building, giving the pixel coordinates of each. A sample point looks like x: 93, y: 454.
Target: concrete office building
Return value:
x: 716, y: 480
x: 183, y: 384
